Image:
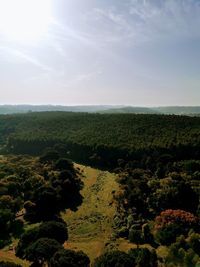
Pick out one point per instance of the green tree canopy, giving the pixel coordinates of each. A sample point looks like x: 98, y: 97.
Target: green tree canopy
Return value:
x: 69, y: 258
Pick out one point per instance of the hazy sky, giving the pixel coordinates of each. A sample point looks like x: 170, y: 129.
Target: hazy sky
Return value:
x: 134, y: 52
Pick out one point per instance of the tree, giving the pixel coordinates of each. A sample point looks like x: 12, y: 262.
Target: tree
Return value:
x: 194, y: 242
x: 26, y: 239
x: 171, y: 194
x: 9, y: 264
x: 52, y: 230
x: 7, y: 219
x: 143, y: 257
x: 135, y: 236
x: 181, y: 253
x: 114, y: 259
x: 42, y: 250
x: 47, y: 203
x: 69, y: 258
x: 64, y: 164
x: 49, y: 156
x: 8, y: 202
x: 172, y: 223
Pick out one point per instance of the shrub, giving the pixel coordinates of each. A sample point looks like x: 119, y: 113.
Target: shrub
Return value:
x: 114, y: 259
x: 69, y: 258
x: 183, y: 252
x: 172, y: 223
x: 9, y: 264
x: 143, y: 257
x: 135, y: 236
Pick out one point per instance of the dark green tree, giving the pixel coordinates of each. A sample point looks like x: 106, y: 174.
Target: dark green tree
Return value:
x: 52, y: 230
x: 69, y: 258
x: 9, y: 264
x: 42, y: 250
x: 143, y: 257
x: 114, y: 259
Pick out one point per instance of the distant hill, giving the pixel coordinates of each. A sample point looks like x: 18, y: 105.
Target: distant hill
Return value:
x: 111, y: 109
x: 175, y: 110
x: 136, y: 110
x: 13, y: 109
x: 179, y: 110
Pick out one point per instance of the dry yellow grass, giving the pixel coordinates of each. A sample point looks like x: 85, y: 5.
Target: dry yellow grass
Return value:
x: 6, y: 255
x: 90, y: 228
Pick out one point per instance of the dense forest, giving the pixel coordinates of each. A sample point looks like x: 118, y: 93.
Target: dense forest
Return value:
x: 102, y: 139
x: 157, y: 162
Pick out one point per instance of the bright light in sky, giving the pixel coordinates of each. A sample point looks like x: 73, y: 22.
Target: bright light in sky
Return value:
x: 24, y: 20
x: 134, y: 52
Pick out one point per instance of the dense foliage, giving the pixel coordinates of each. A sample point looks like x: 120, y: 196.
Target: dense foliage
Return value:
x: 51, y: 230
x: 8, y: 264
x: 157, y: 159
x: 140, y: 257
x: 172, y: 223
x: 103, y: 139
x: 70, y: 258
x: 184, y: 252
x: 37, y: 191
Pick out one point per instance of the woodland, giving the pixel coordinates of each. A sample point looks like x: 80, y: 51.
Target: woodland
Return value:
x: 156, y: 160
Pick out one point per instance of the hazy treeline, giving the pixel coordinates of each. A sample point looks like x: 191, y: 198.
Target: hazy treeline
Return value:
x: 176, y: 110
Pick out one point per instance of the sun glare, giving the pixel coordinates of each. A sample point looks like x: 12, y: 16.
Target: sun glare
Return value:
x: 25, y: 20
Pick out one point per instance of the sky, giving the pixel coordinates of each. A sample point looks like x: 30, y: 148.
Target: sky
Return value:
x: 89, y: 52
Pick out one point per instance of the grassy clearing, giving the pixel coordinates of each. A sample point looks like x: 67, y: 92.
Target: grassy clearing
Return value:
x: 90, y: 227
x: 9, y: 255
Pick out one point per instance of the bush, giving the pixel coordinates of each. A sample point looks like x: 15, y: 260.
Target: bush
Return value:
x: 183, y: 252
x: 69, y: 258
x: 122, y: 232
x: 135, y: 236
x: 42, y: 250
x: 171, y: 224
x: 9, y: 264
x: 49, y: 156
x: 114, y: 259
x: 52, y: 230
x: 167, y: 235
x: 143, y: 257
x: 64, y: 164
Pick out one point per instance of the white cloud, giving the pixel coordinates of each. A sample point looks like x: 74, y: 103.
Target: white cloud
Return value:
x: 138, y: 21
x: 166, y: 19
x: 30, y: 59
x: 16, y: 55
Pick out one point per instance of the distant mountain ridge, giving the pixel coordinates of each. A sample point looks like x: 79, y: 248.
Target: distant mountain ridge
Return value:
x: 180, y: 110
x: 135, y: 110
x: 12, y: 109
x: 111, y: 109
x: 176, y: 110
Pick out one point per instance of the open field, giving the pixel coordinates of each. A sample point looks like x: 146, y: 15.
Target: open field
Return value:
x: 90, y: 228
x: 8, y: 255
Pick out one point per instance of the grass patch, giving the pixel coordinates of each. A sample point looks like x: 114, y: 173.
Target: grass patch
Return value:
x: 6, y: 255
x: 90, y: 227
